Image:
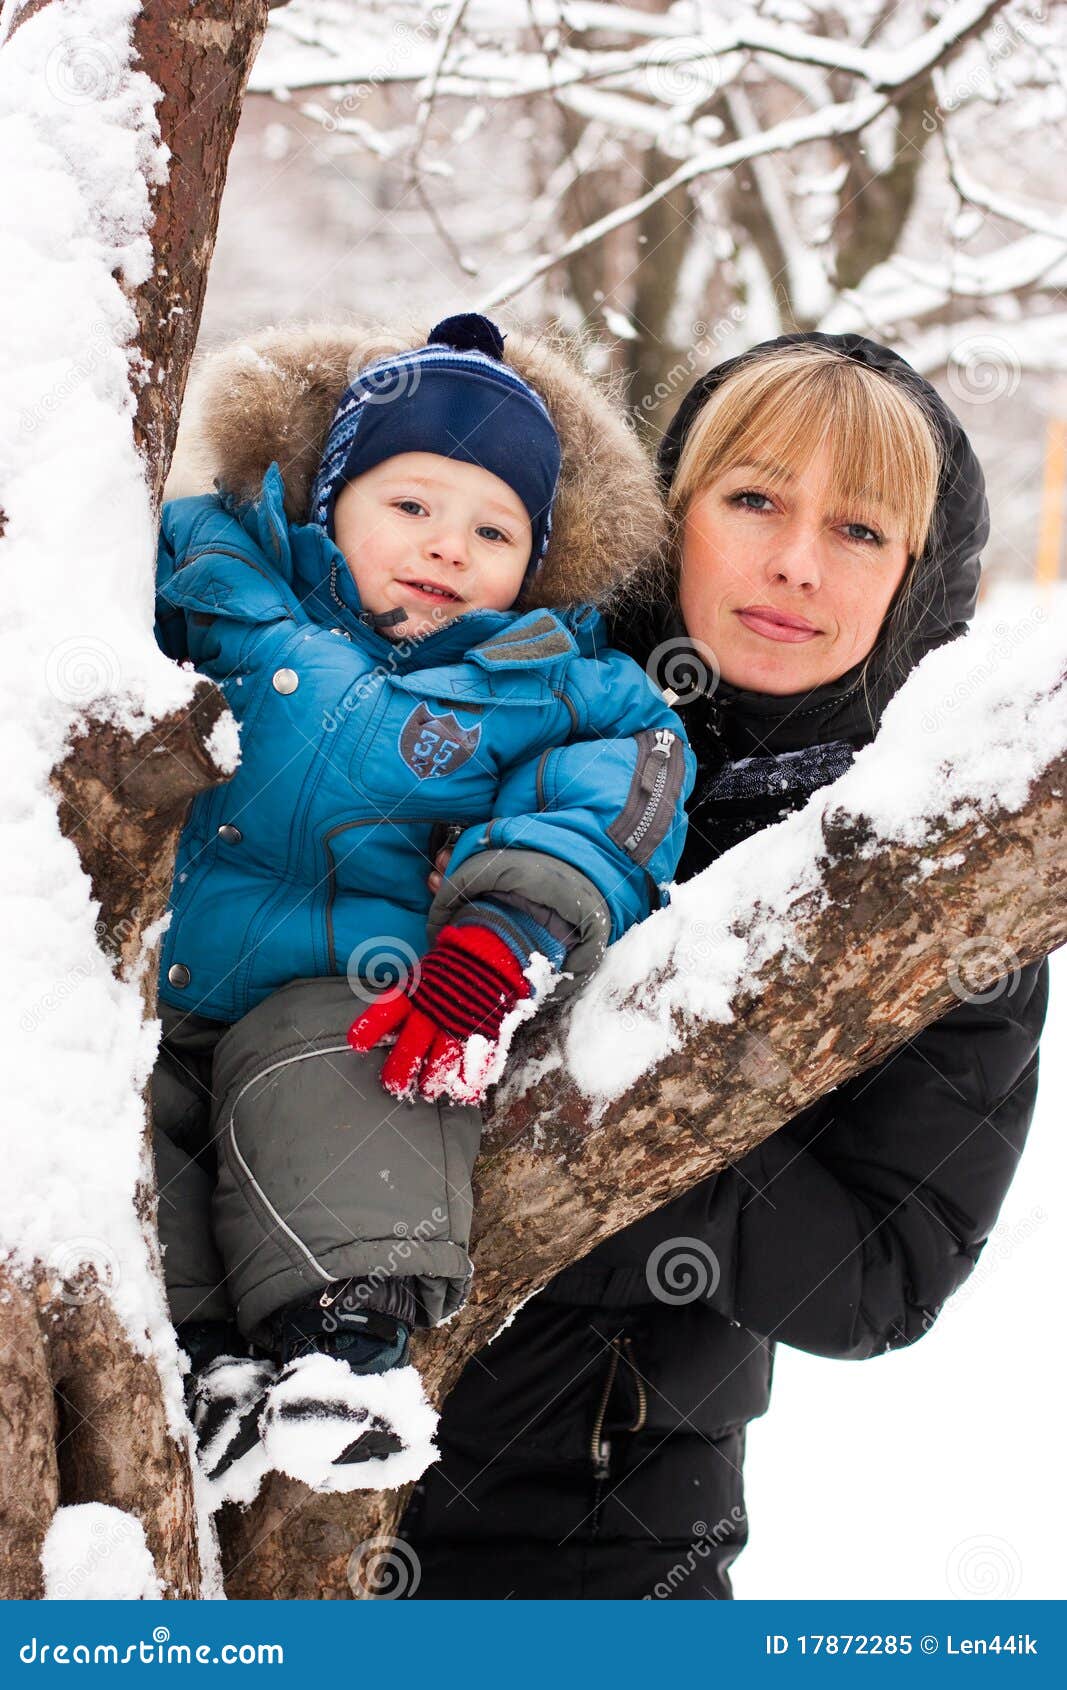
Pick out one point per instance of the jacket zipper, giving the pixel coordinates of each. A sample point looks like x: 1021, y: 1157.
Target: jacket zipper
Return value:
x: 599, y: 1446
x: 662, y: 749
x: 639, y: 1386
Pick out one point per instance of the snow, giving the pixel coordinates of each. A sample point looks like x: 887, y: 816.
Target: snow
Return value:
x: 93, y: 1552
x: 224, y: 744
x: 304, y: 1445
x: 973, y: 726
x: 938, y: 1470
x: 79, y: 154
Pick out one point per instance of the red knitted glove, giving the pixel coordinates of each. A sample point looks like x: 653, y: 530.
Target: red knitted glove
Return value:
x: 469, y: 982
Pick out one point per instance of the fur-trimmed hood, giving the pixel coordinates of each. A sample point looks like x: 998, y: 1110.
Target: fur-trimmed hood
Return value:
x: 271, y: 396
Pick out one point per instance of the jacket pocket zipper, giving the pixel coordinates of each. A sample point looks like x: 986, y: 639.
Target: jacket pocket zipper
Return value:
x: 599, y: 1446
x: 655, y: 787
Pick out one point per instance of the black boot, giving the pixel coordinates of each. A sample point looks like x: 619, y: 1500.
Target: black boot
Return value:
x: 225, y: 1390
x: 367, y: 1340
x: 330, y: 1420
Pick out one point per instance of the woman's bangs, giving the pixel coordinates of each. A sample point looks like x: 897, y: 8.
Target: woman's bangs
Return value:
x: 872, y: 457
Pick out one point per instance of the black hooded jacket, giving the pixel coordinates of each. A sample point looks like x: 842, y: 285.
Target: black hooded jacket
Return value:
x: 596, y: 1446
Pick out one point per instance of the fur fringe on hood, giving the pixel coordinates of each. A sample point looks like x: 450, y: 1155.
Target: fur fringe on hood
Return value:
x: 272, y: 396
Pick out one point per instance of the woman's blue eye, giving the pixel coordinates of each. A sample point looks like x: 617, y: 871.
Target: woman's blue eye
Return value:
x: 867, y: 536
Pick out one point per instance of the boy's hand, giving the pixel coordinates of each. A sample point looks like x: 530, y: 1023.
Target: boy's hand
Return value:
x: 448, y: 1024
x: 440, y: 868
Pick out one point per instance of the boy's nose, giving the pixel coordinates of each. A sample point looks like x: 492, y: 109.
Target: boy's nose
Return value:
x: 449, y: 549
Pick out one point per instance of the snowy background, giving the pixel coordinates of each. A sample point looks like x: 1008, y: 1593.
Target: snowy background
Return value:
x: 937, y: 1471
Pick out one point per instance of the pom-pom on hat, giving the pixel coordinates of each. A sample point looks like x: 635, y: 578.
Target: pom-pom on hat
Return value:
x: 456, y: 397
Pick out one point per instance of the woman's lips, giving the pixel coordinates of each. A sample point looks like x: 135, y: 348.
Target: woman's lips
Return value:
x: 775, y: 625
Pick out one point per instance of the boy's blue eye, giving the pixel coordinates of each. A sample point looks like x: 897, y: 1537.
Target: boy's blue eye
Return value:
x: 493, y: 533
x: 401, y: 503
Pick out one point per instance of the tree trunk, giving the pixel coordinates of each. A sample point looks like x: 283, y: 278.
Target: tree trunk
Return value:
x: 72, y: 1380
x: 881, y: 941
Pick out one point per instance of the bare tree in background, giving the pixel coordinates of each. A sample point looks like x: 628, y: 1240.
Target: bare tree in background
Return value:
x: 693, y: 188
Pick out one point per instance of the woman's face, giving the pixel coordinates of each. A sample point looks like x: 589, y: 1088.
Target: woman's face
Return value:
x: 787, y: 593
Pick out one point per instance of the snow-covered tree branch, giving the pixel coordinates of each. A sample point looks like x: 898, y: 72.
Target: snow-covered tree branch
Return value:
x: 791, y: 152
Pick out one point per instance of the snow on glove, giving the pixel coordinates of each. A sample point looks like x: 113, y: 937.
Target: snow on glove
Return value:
x: 467, y: 984
x: 449, y: 1024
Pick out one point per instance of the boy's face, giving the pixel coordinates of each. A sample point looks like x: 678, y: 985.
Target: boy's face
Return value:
x: 434, y: 536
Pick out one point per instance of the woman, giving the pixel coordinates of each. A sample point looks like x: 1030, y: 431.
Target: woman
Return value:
x: 828, y: 516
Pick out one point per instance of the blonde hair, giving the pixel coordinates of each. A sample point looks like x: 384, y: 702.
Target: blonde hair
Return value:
x: 782, y: 405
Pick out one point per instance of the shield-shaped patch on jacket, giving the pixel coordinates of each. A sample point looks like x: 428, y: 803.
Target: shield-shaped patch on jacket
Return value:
x: 436, y: 745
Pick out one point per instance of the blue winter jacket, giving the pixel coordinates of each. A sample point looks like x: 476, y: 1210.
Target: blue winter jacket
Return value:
x: 554, y: 754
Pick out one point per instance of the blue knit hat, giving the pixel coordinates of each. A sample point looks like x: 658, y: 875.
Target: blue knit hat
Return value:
x: 454, y: 396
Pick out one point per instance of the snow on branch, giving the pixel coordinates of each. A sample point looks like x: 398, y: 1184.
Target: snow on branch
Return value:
x: 333, y: 56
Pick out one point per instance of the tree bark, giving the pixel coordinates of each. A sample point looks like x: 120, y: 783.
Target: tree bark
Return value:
x: 881, y: 941
x: 82, y: 1413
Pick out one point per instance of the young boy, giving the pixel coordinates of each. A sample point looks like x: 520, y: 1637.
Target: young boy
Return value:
x: 392, y: 694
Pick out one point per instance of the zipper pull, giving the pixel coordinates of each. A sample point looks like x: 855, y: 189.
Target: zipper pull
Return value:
x: 653, y: 772
x: 602, y: 1459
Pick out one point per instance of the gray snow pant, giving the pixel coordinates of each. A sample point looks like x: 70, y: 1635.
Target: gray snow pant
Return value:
x: 284, y: 1168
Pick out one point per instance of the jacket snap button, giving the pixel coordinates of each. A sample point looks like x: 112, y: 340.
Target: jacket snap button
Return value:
x: 178, y: 974
x: 285, y: 680
x: 231, y: 834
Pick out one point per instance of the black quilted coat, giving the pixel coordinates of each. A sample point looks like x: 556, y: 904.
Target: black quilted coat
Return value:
x: 595, y: 1448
